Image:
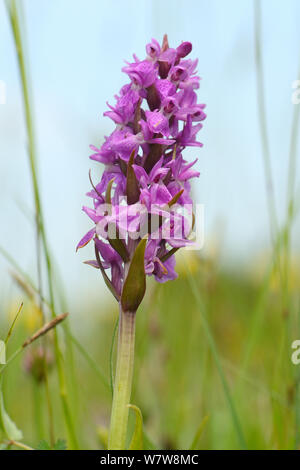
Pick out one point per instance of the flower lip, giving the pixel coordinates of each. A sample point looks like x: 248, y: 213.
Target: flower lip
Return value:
x: 169, y: 105
x: 142, y: 73
x: 178, y: 73
x: 153, y: 49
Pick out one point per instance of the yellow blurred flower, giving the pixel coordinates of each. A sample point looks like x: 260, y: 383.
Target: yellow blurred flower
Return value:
x: 186, y: 261
x: 260, y: 268
x: 30, y: 316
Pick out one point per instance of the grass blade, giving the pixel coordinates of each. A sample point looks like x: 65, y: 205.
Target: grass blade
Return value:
x: 16, y: 25
x: 215, y: 354
x: 195, y: 443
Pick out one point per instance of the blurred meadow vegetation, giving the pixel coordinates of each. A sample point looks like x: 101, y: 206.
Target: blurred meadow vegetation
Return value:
x: 213, y: 363
x: 176, y: 382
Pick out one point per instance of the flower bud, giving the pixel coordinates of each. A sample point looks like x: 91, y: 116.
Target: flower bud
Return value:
x: 35, y: 360
x: 184, y: 49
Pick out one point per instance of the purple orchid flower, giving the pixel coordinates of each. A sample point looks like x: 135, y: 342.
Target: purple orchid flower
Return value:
x: 187, y: 137
x: 125, y: 107
x: 157, y: 122
x: 157, y: 173
x: 153, y: 49
x: 142, y: 74
x: 157, y: 116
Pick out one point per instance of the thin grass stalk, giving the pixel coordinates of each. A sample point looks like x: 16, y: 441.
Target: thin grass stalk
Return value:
x: 258, y: 310
x: 15, y: 23
x: 216, y: 357
x: 48, y: 396
x: 89, y: 359
x: 281, y: 252
x: 69, y: 346
x: 277, y: 236
x: 62, y: 304
x: 290, y: 211
x: 291, y: 180
x: 263, y: 122
x: 94, y: 366
x: 290, y: 216
x: 21, y: 445
x: 38, y: 410
x: 274, y: 227
x: 32, y: 162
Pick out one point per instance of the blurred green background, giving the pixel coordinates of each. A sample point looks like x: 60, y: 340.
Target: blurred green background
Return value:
x: 176, y: 381
x: 233, y: 313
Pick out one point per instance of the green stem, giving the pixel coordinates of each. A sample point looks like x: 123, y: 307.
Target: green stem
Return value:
x: 21, y: 445
x: 111, y: 354
x: 38, y: 411
x: 123, y: 382
x: 48, y: 396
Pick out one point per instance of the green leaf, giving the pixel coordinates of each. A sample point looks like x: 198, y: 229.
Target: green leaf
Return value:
x: 123, y: 166
x: 116, y: 243
x: 2, y: 352
x: 137, y: 115
x: 155, y: 152
x: 135, y: 282
x: 137, y: 438
x: 132, y: 187
x: 175, y: 198
x: 105, y: 276
x: 43, y: 445
x: 60, y: 444
x: 196, y: 440
x: 9, y: 427
x: 12, y: 325
x: 108, y: 191
x: 169, y: 254
x: 119, y: 246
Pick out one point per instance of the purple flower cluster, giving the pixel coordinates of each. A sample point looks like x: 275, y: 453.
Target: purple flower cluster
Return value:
x: 157, y: 116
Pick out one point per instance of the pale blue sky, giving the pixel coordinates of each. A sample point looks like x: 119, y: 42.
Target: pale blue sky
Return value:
x: 76, y: 51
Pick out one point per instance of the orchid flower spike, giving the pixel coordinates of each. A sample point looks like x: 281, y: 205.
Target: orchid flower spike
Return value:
x: 146, y: 181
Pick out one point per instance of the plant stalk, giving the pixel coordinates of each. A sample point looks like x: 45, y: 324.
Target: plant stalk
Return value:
x: 123, y: 381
